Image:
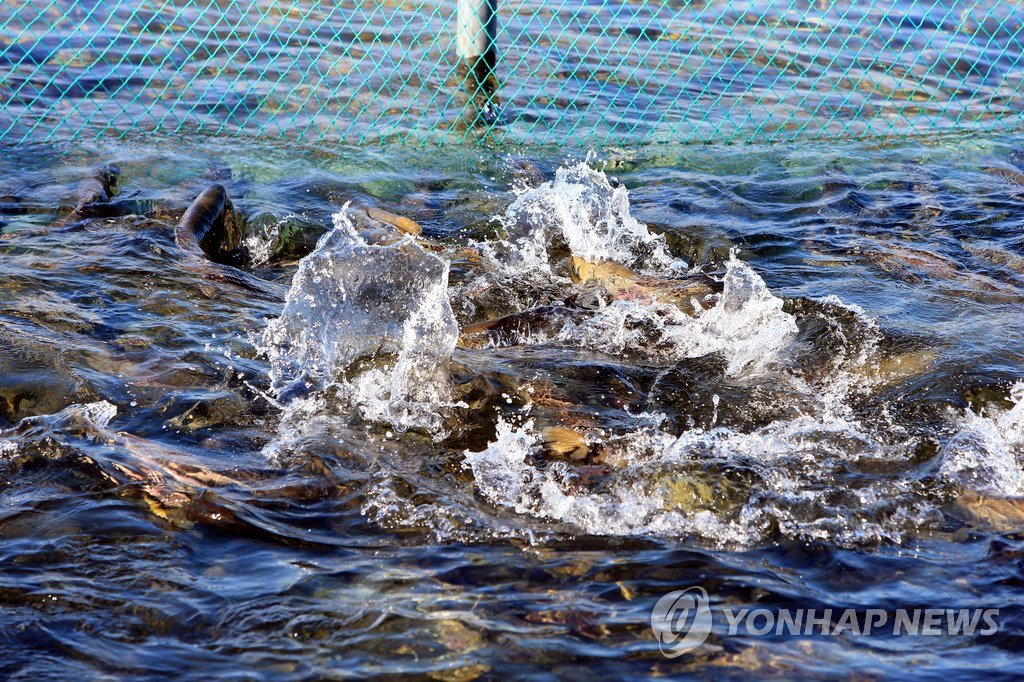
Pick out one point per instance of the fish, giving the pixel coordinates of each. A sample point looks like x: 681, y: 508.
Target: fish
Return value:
x: 99, y: 186
x: 1003, y: 514
x: 1010, y: 174
x: 622, y: 283
x: 208, y: 225
x: 400, y: 223
x: 565, y: 443
x: 518, y: 328
x: 94, y: 191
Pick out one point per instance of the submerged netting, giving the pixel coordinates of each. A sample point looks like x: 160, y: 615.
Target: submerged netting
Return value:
x: 569, y: 71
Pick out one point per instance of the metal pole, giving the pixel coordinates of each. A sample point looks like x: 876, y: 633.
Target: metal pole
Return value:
x: 476, y: 31
x: 475, y: 43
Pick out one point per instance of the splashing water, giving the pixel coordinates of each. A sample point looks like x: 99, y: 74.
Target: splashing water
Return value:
x: 373, y: 325
x: 308, y: 539
x: 373, y: 322
x: 87, y: 418
x: 814, y: 476
x: 723, y: 486
x: 986, y: 453
x: 581, y: 210
x: 97, y: 415
x: 264, y: 239
x: 726, y: 486
x: 748, y: 325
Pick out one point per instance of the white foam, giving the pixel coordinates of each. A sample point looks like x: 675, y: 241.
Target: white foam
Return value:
x: 261, y: 245
x: 792, y: 463
x: 95, y: 415
x: 373, y: 323
x: 797, y: 480
x: 373, y: 327
x: 582, y: 210
x: 100, y: 413
x: 788, y: 462
x: 748, y: 325
x: 986, y: 452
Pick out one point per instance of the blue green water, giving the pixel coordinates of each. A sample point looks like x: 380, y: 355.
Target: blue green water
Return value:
x: 582, y: 74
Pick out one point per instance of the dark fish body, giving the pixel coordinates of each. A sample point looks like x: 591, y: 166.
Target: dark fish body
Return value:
x: 98, y: 187
x: 519, y: 327
x: 1006, y: 172
x: 209, y: 225
x: 93, y: 192
x: 11, y: 205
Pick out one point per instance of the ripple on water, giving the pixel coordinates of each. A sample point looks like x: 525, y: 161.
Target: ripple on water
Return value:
x: 835, y: 427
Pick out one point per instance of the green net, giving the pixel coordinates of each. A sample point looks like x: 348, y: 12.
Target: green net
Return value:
x: 566, y: 72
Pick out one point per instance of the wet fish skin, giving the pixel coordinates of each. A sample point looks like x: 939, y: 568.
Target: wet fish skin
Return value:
x: 208, y: 225
x: 516, y: 328
x: 400, y: 223
x: 1006, y: 172
x: 583, y: 270
x: 622, y: 283
x: 1003, y: 514
x: 565, y: 443
x: 100, y: 186
x: 93, y: 191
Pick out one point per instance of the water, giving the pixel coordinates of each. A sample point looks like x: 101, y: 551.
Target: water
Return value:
x: 589, y: 74
x: 302, y: 466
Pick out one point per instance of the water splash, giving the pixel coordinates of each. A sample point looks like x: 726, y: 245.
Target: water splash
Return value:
x: 986, y: 453
x: 97, y: 415
x: 671, y: 483
x: 580, y: 210
x: 828, y: 476
x: 84, y: 418
x: 100, y: 413
x: 373, y: 324
x: 721, y: 486
x: 796, y: 477
x: 264, y: 238
x: 748, y: 325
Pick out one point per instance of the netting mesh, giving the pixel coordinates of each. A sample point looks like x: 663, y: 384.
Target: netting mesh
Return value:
x: 569, y: 71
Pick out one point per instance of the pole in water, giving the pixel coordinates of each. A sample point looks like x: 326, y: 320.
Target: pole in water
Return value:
x: 475, y: 43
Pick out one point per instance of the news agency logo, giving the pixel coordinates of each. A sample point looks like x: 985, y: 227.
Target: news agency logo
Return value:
x: 682, y: 621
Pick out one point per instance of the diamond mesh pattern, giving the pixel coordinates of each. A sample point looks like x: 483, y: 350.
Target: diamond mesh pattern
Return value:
x: 580, y: 72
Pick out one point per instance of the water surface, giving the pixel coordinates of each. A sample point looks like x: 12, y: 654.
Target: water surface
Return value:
x: 169, y: 508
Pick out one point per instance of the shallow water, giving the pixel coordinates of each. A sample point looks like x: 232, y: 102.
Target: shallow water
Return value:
x: 284, y: 466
